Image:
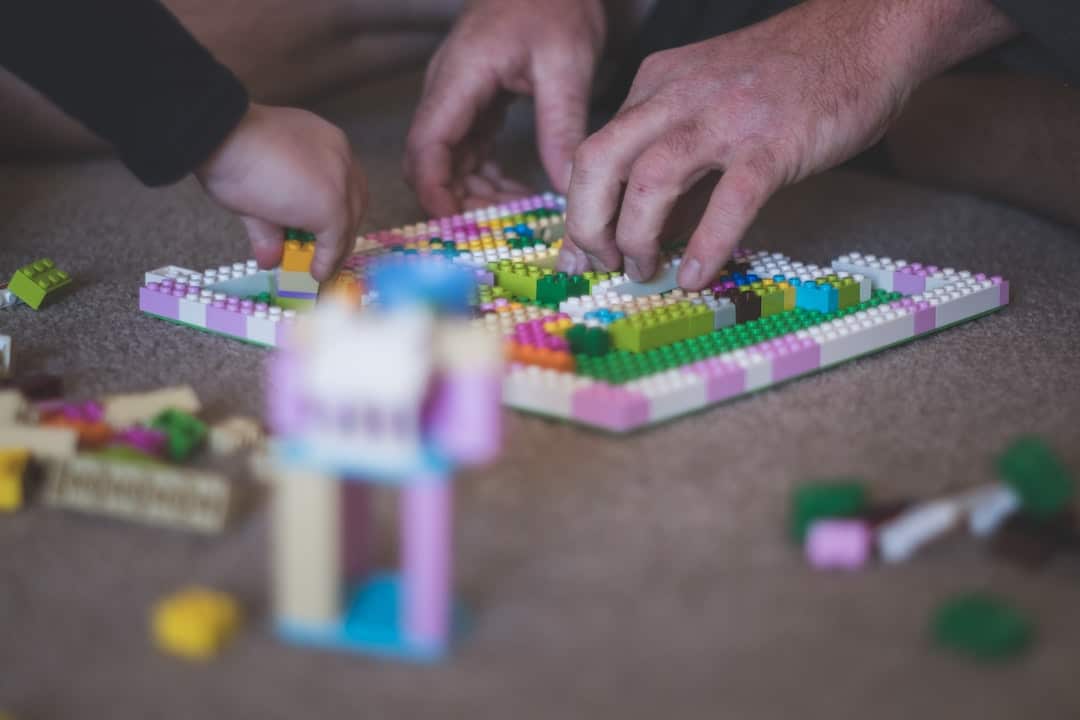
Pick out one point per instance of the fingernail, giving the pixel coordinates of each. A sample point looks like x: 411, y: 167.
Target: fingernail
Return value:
x: 632, y: 270
x: 690, y: 273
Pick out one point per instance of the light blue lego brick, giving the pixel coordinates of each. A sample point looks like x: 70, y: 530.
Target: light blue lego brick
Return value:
x: 296, y: 282
x: 429, y: 463
x: 665, y: 280
x: 371, y: 625
x: 246, y: 286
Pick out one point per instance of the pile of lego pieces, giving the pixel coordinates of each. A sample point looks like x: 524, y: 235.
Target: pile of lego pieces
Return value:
x: 1027, y: 517
x: 124, y: 456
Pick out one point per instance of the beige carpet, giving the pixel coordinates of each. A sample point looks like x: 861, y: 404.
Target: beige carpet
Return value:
x: 610, y: 578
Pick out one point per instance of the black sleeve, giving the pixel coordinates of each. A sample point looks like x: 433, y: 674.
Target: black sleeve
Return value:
x: 1054, y: 24
x: 130, y: 72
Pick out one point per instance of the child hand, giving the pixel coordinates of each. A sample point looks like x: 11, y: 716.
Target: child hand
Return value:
x: 283, y: 167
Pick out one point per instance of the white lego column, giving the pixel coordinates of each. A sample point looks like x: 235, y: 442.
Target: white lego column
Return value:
x: 307, y: 547
x: 426, y: 560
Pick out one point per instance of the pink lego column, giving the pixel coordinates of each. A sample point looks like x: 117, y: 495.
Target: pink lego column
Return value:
x: 425, y: 560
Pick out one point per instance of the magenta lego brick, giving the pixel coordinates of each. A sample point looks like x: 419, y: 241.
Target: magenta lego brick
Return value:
x: 298, y: 295
x: 610, y: 407
x: 155, y: 300
x: 909, y: 281
x: 226, y: 319
x: 791, y: 356
x: 723, y: 380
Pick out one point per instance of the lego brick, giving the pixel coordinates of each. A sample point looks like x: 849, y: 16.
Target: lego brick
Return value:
x: 191, y: 311
x: 195, y: 623
x: 147, y: 493
x: 38, y: 282
x: 124, y: 410
x: 262, y: 329
x: 14, y: 464
x: 13, y: 407
x: 48, y: 443
x: 838, y: 544
x: 169, y: 272
x: 609, y: 407
x: 234, y: 434
x: 296, y: 282
x: 184, y: 433
x: 672, y: 393
x: 297, y: 256
x: 983, y: 627
x: 900, y: 538
x: 665, y: 280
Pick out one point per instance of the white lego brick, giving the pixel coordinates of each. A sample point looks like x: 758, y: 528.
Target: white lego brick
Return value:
x: 671, y: 393
x: 50, y: 443
x: 866, y: 287
x: 960, y: 302
x: 541, y: 390
x: 171, y: 272
x: 758, y: 367
x: 899, y: 539
x: 192, y: 311
x: 13, y: 407
x: 262, y: 329
x: 665, y: 280
x: 125, y: 410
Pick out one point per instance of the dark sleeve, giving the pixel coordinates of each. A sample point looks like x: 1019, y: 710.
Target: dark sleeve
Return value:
x: 130, y: 72
x: 1054, y: 24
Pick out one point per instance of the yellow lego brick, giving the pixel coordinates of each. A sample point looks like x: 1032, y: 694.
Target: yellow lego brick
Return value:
x: 297, y: 256
x: 789, y: 295
x: 13, y: 464
x: 195, y: 623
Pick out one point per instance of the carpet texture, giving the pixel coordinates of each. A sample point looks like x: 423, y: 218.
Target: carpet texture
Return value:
x: 640, y: 577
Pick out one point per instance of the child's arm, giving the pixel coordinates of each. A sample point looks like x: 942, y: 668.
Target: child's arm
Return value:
x: 130, y: 72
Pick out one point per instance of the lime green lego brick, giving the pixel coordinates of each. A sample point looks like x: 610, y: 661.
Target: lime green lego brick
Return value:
x: 772, y: 301
x: 982, y: 626
x: 847, y: 293
x: 299, y: 304
x: 1038, y: 477
x: 517, y: 278
x: 37, y: 282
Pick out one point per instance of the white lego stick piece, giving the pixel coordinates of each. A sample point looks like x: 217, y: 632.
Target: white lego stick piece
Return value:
x: 899, y: 539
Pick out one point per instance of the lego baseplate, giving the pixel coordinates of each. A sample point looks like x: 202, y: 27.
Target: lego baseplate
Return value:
x: 600, y: 350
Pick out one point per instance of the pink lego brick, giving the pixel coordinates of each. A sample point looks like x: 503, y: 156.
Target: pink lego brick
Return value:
x: 610, y: 407
x: 925, y: 314
x: 791, y: 356
x: 838, y: 544
x: 147, y: 440
x: 722, y: 379
x: 224, y: 316
x: 910, y: 280
x: 156, y: 299
x: 466, y: 416
x: 425, y: 560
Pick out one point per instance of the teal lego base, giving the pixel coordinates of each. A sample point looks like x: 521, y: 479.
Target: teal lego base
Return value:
x: 370, y: 625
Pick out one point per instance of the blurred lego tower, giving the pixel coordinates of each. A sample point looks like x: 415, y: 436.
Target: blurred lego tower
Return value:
x: 398, y: 394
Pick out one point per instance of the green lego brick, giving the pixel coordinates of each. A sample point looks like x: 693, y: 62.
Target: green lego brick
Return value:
x: 552, y: 289
x: 37, y: 282
x: 818, y: 501
x: 185, y: 433
x: 847, y: 293
x: 772, y: 300
x: 1035, y: 472
x: 982, y: 626
x: 517, y: 278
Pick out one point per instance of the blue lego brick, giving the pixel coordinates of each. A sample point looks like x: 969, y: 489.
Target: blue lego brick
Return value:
x: 370, y: 625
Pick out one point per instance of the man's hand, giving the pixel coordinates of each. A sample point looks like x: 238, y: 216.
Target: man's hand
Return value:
x: 501, y: 48
x: 767, y: 106
x: 283, y: 167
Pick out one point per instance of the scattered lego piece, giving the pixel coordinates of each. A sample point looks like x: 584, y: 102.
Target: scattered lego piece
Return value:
x: 145, y: 440
x: 899, y: 539
x: 234, y: 434
x: 148, y: 493
x: 983, y: 627
x: 13, y: 469
x: 1037, y: 475
x: 838, y: 544
x: 35, y: 386
x: 817, y: 501
x: 195, y: 623
x: 5, y: 356
x: 125, y: 410
x: 37, y: 282
x: 990, y: 508
x: 46, y: 443
x: 184, y: 433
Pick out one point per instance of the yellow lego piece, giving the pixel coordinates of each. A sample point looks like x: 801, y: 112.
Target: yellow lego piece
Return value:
x: 195, y: 623
x: 13, y: 464
x: 298, y: 256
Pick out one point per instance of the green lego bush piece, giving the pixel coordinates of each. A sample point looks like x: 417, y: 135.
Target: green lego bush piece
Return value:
x: 576, y: 337
x: 1038, y: 476
x: 982, y: 626
x: 818, y: 501
x: 577, y: 285
x: 185, y: 433
x: 37, y: 282
x: 551, y: 289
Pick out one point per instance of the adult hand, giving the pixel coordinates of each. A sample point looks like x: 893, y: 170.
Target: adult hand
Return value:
x: 281, y: 168
x: 767, y: 106
x: 498, y: 49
